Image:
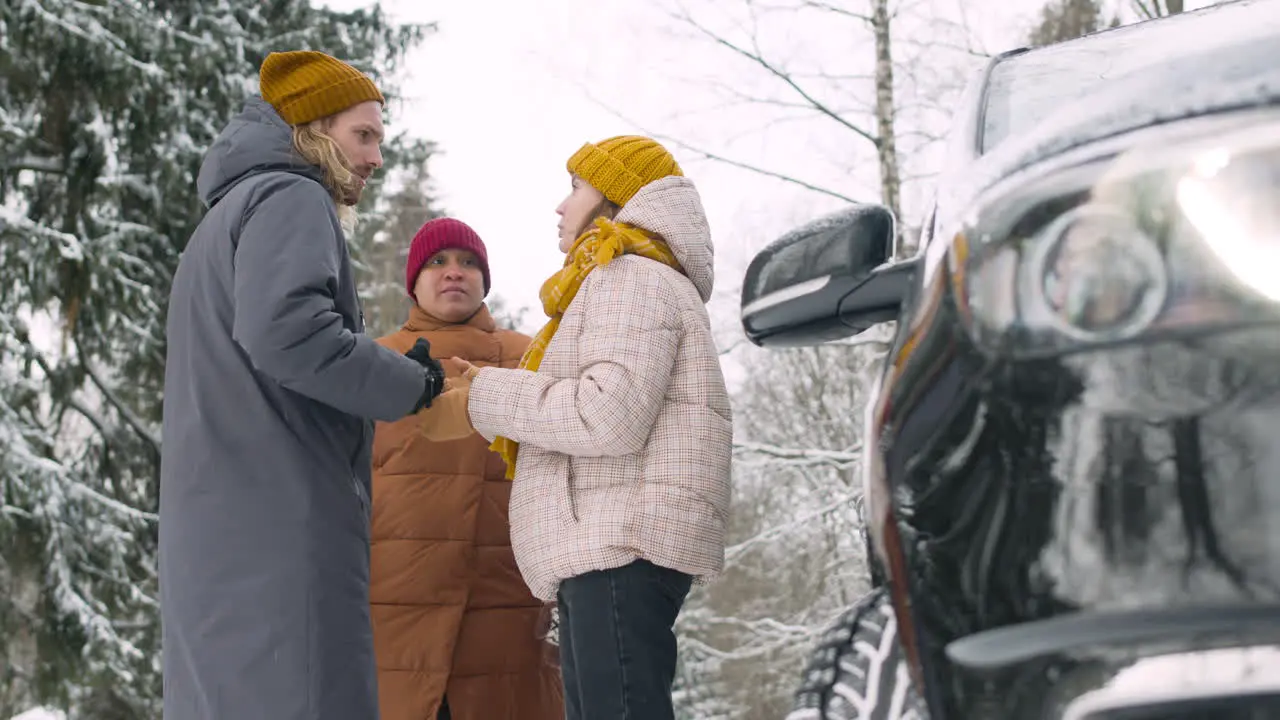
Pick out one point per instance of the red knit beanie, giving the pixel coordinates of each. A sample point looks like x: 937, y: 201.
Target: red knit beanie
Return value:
x: 443, y: 234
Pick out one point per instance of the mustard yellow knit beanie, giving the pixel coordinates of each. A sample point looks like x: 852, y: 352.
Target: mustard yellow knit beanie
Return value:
x: 620, y: 166
x: 304, y: 85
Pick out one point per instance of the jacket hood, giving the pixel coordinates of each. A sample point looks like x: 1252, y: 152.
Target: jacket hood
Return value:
x: 671, y: 208
x: 256, y: 141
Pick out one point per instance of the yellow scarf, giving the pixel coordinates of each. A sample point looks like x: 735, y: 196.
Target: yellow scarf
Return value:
x: 596, y: 247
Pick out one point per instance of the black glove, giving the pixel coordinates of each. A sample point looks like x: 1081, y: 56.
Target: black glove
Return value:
x: 421, y: 354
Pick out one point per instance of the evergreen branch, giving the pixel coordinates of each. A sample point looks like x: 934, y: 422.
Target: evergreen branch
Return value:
x: 76, y: 487
x: 125, y: 510
x: 35, y: 163
x: 96, y: 33
x: 125, y: 412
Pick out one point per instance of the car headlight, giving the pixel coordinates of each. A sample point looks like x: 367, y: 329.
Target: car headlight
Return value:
x: 1170, y: 231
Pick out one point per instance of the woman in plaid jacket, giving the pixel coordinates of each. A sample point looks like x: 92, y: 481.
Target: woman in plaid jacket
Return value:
x: 616, y: 428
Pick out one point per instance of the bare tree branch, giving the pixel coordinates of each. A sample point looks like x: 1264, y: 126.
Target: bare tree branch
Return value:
x: 834, y: 77
x: 932, y: 44
x: 755, y: 57
x: 804, y: 456
x: 747, y: 98
x: 708, y: 155
x: 733, y: 552
x: 837, y: 10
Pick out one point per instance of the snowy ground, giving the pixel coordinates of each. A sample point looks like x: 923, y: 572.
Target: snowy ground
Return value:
x: 40, y: 714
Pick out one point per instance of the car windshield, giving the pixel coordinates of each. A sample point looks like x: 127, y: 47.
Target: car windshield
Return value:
x: 1025, y: 89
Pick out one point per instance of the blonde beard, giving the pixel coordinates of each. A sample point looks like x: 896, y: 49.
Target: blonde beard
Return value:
x: 320, y: 150
x: 348, y: 218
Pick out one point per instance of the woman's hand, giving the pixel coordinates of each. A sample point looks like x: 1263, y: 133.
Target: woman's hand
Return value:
x: 455, y: 365
x: 448, y: 418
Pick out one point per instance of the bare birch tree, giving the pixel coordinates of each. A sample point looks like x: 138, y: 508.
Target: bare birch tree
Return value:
x: 797, y: 553
x: 797, y: 550
x: 882, y: 90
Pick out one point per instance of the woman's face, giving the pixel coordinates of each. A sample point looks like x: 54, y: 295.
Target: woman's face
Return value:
x: 577, y: 211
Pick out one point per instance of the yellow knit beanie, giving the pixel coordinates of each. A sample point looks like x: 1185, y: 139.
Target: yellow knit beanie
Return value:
x: 620, y: 166
x: 304, y: 85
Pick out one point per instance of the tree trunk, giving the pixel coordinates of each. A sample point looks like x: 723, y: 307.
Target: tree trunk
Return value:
x: 886, y: 140
x: 19, y: 654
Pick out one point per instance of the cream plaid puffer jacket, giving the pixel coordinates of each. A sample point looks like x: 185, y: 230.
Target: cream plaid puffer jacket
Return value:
x: 625, y: 431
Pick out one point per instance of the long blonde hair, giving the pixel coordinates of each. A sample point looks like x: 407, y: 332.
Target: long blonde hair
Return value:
x: 607, y: 209
x: 316, y: 147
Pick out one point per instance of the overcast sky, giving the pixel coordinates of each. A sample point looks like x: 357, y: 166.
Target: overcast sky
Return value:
x: 510, y: 88
x: 505, y: 88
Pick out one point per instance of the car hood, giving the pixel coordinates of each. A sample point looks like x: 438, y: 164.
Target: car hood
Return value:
x: 1235, y: 77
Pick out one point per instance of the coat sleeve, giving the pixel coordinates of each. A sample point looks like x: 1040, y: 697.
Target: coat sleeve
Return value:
x: 626, y: 353
x: 286, y: 278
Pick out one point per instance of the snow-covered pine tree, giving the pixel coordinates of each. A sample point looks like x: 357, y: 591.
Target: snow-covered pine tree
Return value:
x: 1062, y: 20
x: 106, y: 109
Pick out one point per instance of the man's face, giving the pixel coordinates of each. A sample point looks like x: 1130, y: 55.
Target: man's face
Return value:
x: 358, y: 132
x: 450, y: 286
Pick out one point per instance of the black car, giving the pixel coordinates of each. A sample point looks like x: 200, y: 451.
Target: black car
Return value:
x: 1073, y: 469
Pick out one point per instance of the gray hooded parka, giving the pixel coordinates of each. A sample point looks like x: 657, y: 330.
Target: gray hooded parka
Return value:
x: 270, y: 389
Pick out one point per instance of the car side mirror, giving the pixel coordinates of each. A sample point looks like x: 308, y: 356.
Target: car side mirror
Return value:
x: 826, y: 280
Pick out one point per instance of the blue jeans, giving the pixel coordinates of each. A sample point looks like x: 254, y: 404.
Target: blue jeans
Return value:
x: 617, y: 643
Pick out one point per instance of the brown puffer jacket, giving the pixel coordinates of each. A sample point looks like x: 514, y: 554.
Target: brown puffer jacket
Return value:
x: 451, y: 615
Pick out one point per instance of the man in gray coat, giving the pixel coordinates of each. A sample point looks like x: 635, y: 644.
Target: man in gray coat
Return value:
x: 271, y: 387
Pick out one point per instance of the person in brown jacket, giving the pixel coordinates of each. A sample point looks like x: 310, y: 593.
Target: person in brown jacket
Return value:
x: 456, y: 630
